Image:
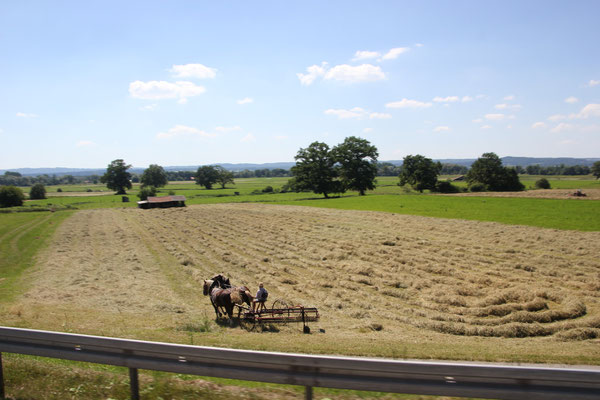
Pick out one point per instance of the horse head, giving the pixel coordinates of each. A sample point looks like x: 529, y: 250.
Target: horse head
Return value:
x: 207, y: 286
x: 246, y: 295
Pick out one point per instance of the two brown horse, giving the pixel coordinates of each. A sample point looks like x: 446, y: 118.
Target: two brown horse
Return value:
x: 224, y: 297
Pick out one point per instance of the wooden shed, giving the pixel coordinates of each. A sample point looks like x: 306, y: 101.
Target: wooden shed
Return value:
x: 162, y: 202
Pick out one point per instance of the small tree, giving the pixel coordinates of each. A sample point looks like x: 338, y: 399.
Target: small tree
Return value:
x: 116, y: 176
x: 155, y: 176
x: 596, y: 169
x: 11, y: 196
x: 357, y: 160
x: 37, y: 192
x: 207, y: 176
x: 315, y: 171
x: 147, y: 191
x: 224, y: 177
x: 542, y: 183
x: 420, y: 172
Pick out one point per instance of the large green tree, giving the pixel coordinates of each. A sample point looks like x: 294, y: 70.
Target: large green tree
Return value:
x: 596, y: 169
x: 488, y: 170
x: 420, y: 172
x: 315, y: 170
x: 155, y: 176
x: 11, y: 196
x: 207, y: 176
x: 224, y: 177
x: 116, y: 176
x: 357, y: 159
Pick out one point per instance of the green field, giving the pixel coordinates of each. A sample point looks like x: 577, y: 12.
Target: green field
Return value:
x: 387, y: 197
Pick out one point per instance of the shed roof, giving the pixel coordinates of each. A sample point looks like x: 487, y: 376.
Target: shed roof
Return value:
x: 165, y: 199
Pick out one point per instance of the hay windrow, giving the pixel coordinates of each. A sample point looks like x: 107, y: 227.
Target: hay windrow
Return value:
x: 454, y: 277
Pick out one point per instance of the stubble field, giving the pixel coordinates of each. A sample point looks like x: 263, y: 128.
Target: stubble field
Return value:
x: 385, y: 285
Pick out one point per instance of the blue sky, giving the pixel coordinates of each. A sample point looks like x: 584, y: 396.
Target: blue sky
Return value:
x: 191, y: 82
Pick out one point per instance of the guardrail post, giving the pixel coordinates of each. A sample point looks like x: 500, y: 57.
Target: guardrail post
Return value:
x: 1, y: 379
x: 308, y: 392
x: 134, y: 384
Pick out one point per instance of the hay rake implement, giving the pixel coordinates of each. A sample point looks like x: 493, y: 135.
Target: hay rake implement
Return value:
x: 279, y: 313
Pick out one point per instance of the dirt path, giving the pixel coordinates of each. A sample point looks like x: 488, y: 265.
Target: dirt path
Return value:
x: 590, y: 194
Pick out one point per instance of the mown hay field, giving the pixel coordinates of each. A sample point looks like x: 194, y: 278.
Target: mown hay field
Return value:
x: 386, y: 285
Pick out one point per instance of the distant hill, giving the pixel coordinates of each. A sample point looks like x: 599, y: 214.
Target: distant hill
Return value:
x: 508, y: 161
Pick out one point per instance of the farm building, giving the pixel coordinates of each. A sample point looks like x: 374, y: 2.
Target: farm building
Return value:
x: 162, y: 202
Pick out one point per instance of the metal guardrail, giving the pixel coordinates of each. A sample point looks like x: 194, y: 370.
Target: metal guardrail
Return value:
x: 429, y: 378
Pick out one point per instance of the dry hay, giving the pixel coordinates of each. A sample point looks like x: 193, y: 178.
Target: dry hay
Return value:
x: 590, y: 194
x: 361, y: 269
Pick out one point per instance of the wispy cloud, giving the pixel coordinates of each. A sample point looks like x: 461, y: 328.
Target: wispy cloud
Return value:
x: 159, y: 90
x: 394, y: 53
x: 538, y: 125
x: 441, y: 128
x: 341, y: 113
x: 447, y: 99
x: 245, y: 100
x: 198, y: 71
x: 495, y: 117
x: 571, y: 100
x: 509, y: 97
x: 353, y: 74
x: 149, y: 107
x: 406, y: 103
x: 593, y: 83
x: 184, y: 131
x: 248, y: 138
x: 365, y: 55
x: 26, y: 115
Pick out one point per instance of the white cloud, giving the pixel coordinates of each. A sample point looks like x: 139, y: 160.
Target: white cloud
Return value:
x: 538, y: 125
x: 593, y: 82
x: 26, y: 115
x: 158, y: 90
x: 248, y: 138
x: 353, y: 74
x: 367, y: 130
x: 495, y: 117
x: 406, y: 103
x: 246, y: 100
x: 85, y: 143
x: 376, y: 115
x: 591, y: 110
x: 313, y: 72
x: 341, y: 113
x: 183, y: 131
x: 365, y: 55
x: 505, y: 106
x: 571, y: 100
x: 562, y: 127
x: 448, y: 99
x: 441, y: 129
x: 509, y: 97
x: 227, y: 129
x: 198, y: 71
x: 466, y: 99
x: 394, y: 53
x: 418, y: 44
x: 478, y: 120
x: 486, y: 127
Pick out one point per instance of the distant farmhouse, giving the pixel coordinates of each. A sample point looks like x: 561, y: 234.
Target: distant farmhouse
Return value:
x: 162, y: 202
